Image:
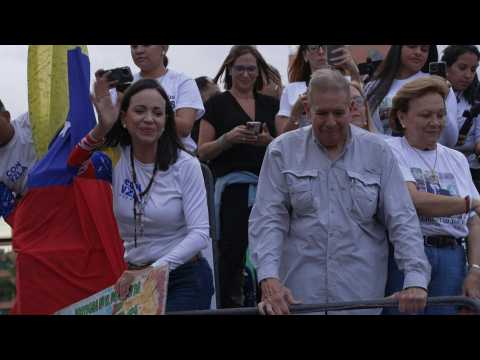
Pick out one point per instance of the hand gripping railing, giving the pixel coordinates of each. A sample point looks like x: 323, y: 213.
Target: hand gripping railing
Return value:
x: 470, y: 303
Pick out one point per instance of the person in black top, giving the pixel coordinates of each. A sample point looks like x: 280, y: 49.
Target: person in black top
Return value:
x: 228, y: 140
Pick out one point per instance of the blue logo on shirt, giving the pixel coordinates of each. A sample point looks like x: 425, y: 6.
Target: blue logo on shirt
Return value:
x: 16, y: 172
x: 127, y: 189
x: 172, y: 101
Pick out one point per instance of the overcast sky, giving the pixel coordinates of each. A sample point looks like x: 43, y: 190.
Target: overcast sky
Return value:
x: 193, y: 60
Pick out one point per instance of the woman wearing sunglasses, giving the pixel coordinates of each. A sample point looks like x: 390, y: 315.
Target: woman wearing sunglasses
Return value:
x: 308, y: 59
x: 360, y: 111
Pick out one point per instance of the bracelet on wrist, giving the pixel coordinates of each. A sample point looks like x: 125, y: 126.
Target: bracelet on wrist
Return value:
x: 474, y: 267
x: 224, y: 144
x: 468, y: 204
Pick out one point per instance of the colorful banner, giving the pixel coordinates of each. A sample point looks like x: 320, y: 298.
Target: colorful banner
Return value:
x: 147, y: 296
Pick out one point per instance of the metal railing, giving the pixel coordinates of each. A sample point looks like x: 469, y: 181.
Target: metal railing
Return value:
x: 470, y: 303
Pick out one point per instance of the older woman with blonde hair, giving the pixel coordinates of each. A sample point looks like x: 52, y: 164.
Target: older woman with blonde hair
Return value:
x: 360, y: 111
x: 441, y: 187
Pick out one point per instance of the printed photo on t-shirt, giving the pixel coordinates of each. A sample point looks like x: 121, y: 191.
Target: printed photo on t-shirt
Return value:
x: 439, y: 184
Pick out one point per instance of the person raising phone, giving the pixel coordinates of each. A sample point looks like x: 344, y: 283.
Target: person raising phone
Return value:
x: 308, y: 59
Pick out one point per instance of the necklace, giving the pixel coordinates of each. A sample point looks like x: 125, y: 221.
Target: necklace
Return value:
x: 139, y: 199
x: 433, y: 176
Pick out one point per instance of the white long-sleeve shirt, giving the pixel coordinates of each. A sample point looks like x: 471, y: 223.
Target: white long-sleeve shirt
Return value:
x: 176, y: 224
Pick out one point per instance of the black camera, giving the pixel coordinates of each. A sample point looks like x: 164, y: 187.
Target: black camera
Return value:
x: 438, y: 68
x: 122, y: 75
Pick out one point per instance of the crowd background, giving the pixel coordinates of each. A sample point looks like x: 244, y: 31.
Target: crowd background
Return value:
x: 270, y: 82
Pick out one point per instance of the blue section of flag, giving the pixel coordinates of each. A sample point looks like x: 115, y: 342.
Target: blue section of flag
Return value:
x: 103, y: 166
x: 52, y: 169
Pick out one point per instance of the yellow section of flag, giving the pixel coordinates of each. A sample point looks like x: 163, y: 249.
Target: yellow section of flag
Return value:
x: 48, y: 95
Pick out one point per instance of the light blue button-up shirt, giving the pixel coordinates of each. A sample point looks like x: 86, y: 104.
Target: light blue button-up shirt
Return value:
x: 319, y: 225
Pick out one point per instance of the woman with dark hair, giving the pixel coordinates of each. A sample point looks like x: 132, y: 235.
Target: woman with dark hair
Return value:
x: 234, y: 134
x: 308, y: 59
x: 462, y: 63
x: 274, y: 87
x: 159, y: 196
x: 403, y: 64
x: 207, y: 89
x: 182, y: 91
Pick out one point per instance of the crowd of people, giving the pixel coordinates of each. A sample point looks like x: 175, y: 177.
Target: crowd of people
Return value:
x: 332, y: 188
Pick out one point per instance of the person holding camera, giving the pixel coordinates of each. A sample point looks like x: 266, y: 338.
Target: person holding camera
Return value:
x: 234, y: 133
x: 462, y: 63
x: 440, y: 185
x: 308, y: 59
x: 182, y: 91
x: 403, y: 64
x: 159, y: 196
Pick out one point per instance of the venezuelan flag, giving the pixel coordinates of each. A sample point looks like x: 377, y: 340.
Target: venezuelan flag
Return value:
x: 64, y: 230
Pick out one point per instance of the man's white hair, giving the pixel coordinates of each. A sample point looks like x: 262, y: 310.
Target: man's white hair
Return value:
x: 327, y: 79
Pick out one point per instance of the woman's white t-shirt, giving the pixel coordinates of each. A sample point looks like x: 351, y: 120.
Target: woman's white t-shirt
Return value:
x: 176, y: 224
x: 452, y: 179
x: 17, y: 157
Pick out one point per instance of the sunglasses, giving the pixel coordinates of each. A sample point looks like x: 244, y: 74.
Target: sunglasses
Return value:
x: 240, y: 69
x: 359, y: 101
x: 316, y: 47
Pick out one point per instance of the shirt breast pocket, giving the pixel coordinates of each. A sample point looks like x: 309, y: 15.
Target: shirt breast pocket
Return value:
x: 364, y: 192
x: 300, y: 189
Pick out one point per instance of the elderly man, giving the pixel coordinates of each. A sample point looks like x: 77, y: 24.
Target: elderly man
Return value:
x: 327, y: 194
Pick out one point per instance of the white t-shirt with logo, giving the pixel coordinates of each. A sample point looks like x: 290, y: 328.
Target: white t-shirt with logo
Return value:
x: 17, y: 156
x: 381, y: 115
x: 176, y: 224
x: 183, y: 93
x: 451, y: 178
x: 290, y: 95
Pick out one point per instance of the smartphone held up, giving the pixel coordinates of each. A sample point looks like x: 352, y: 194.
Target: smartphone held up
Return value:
x: 332, y: 53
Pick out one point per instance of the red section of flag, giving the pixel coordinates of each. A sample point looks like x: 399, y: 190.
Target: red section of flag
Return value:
x: 68, y: 248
